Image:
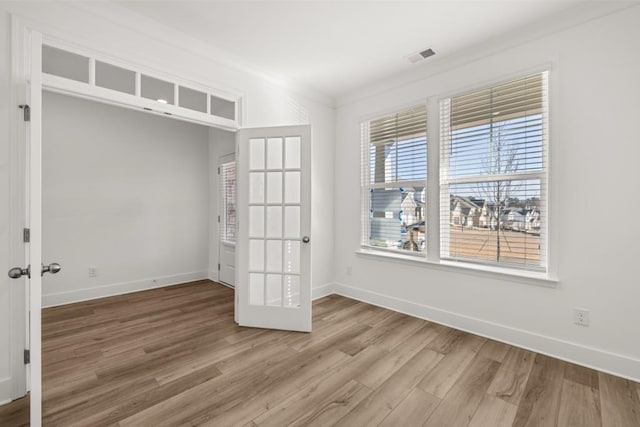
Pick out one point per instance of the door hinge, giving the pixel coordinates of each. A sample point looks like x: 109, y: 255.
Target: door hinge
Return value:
x: 26, y: 235
x: 218, y: 218
x: 27, y: 356
x: 218, y: 171
x: 218, y: 266
x: 26, y: 112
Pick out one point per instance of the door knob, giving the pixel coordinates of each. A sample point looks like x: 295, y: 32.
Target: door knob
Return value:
x: 52, y: 268
x: 306, y: 239
x: 18, y: 272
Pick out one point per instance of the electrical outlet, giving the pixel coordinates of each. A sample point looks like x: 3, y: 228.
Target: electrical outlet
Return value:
x: 349, y: 270
x: 93, y: 271
x: 581, y: 316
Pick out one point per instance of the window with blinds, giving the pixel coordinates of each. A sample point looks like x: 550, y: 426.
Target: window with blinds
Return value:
x: 228, y: 200
x: 493, y: 169
x: 394, y: 180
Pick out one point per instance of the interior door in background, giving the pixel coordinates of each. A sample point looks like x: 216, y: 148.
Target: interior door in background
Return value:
x: 227, y: 218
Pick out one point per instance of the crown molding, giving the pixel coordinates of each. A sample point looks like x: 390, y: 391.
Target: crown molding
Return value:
x: 571, y: 17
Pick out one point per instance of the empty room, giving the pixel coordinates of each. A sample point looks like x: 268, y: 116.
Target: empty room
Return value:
x: 350, y: 213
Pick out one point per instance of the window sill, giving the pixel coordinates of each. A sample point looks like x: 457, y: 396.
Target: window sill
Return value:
x: 527, y: 277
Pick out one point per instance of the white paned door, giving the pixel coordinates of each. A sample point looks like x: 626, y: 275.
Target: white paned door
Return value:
x: 273, y: 250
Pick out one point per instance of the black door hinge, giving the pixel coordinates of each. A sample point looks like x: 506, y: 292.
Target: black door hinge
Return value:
x: 26, y: 235
x: 218, y: 267
x: 27, y: 357
x: 26, y: 112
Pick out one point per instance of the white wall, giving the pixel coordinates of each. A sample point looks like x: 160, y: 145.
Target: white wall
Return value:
x: 124, y: 192
x: 594, y: 180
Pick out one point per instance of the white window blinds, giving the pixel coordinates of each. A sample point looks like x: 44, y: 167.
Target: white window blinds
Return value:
x: 493, y: 168
x: 228, y: 201
x: 394, y: 173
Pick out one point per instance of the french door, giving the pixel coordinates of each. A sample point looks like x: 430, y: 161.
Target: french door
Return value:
x: 273, y: 252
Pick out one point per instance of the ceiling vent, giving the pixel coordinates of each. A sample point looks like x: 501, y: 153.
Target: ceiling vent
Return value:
x: 416, y: 57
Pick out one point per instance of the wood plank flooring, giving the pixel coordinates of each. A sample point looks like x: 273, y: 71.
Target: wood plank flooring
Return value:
x: 173, y: 356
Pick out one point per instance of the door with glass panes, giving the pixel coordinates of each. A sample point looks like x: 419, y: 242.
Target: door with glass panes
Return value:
x: 273, y: 253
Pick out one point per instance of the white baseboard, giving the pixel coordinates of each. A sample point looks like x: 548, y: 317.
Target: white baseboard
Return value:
x: 5, y: 390
x: 322, y: 291
x: 590, y: 357
x: 78, y: 295
x: 213, y: 275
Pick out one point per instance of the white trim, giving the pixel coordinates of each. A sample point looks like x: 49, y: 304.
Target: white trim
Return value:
x: 516, y: 176
x: 17, y: 291
x: 438, y: 65
x: 322, y: 291
x: 495, y: 272
x: 590, y: 357
x: 6, y: 386
x: 213, y: 276
x: 86, y: 294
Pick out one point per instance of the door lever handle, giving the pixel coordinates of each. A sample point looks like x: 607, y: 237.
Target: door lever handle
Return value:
x: 18, y: 272
x: 52, y: 268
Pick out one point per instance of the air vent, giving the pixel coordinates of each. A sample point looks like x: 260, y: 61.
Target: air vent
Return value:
x: 416, y: 57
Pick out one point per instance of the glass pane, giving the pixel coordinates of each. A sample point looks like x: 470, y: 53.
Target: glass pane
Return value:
x: 256, y: 289
x: 292, y: 291
x: 256, y: 154
x: 256, y: 221
x: 156, y: 89
x: 274, y: 221
x: 274, y: 256
x: 497, y: 147
x: 274, y: 153
x: 397, y: 218
x: 398, y: 146
x: 256, y: 187
x: 291, y: 256
x: 223, y: 108
x: 65, y: 64
x: 274, y: 290
x: 292, y: 152
x: 292, y: 187
x: 228, y: 223
x: 274, y: 187
x: 256, y: 255
x: 495, y: 221
x: 115, y: 78
x: 292, y: 222
x: 192, y: 99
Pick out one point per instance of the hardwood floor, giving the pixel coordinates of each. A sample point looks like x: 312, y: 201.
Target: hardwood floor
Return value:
x: 173, y: 356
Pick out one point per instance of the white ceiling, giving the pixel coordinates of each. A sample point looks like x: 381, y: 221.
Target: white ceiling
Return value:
x: 335, y: 47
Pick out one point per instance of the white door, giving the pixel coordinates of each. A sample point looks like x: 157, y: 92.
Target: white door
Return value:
x: 273, y: 253
x: 29, y: 78
x: 227, y: 217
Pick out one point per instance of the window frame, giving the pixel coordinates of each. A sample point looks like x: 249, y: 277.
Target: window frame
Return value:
x: 431, y: 257
x: 365, y: 176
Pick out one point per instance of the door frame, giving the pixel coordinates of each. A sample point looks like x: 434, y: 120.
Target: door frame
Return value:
x: 18, y: 291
